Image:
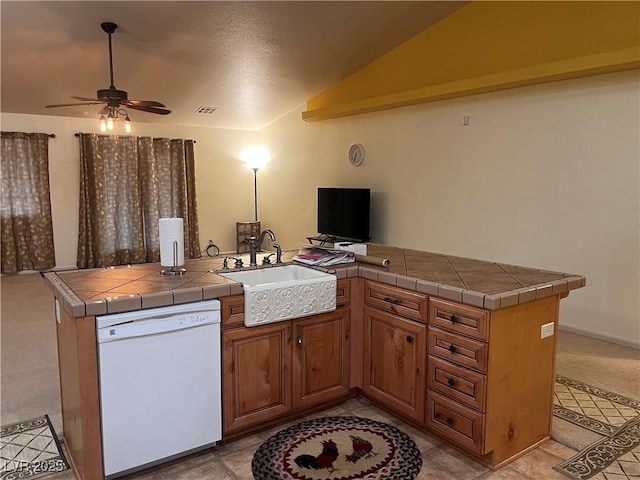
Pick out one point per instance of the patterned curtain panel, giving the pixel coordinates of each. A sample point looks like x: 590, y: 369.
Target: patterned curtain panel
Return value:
x: 111, y: 230
x: 147, y: 179
x: 27, y: 230
x: 169, y: 190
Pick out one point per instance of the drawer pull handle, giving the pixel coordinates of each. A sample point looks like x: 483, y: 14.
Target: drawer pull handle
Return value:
x: 448, y: 420
x: 452, y: 348
x: 393, y: 301
x: 451, y: 381
x: 409, y: 339
x: 453, y: 318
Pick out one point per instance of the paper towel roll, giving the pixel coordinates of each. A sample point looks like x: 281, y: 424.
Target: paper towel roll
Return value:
x: 171, y: 236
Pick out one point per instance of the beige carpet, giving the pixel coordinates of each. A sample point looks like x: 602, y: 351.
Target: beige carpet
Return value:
x: 29, y: 385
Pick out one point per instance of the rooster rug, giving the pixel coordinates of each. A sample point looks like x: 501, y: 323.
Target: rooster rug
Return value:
x: 337, y: 448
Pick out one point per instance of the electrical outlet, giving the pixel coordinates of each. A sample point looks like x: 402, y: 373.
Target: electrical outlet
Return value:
x: 546, y: 330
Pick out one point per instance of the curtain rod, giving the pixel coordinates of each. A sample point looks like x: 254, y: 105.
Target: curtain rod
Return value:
x: 52, y: 135
x: 78, y: 134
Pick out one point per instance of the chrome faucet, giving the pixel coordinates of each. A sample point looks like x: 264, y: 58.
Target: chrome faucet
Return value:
x: 255, y: 245
x: 269, y: 232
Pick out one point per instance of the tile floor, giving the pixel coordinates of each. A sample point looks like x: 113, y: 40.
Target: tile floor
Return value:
x: 232, y: 461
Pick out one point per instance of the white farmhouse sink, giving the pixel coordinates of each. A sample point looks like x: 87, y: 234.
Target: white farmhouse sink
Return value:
x: 281, y: 293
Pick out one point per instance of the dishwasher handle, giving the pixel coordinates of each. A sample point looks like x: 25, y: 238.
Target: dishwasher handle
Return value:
x: 154, y: 326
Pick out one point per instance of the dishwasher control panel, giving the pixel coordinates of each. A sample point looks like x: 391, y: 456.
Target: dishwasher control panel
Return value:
x: 155, y: 321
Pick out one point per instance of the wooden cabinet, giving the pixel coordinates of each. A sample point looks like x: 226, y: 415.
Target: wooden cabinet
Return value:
x: 256, y: 374
x: 394, y: 349
x: 457, y: 367
x: 490, y: 377
x: 481, y: 380
x: 275, y: 369
x: 321, y: 366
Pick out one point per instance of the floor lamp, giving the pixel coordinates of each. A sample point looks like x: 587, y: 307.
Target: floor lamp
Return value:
x: 256, y: 158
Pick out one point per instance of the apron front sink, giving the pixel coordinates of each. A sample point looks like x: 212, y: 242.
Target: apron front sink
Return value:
x: 282, y: 293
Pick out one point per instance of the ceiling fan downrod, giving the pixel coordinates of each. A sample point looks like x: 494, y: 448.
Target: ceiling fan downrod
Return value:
x: 109, y: 28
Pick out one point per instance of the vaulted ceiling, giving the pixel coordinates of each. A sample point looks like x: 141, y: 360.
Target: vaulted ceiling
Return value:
x: 252, y: 61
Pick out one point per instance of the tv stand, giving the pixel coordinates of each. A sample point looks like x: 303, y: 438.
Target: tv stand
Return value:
x: 323, y: 238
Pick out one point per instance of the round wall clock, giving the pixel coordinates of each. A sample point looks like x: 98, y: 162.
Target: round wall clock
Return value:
x: 356, y: 154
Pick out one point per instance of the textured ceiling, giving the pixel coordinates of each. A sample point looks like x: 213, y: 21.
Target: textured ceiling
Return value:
x: 253, y: 61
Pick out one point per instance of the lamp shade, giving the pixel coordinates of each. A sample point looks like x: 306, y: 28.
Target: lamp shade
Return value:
x: 256, y: 157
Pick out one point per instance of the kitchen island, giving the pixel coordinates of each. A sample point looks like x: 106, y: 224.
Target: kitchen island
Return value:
x: 451, y: 345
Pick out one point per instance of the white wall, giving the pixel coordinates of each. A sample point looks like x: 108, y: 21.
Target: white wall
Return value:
x: 545, y: 176
x: 224, y: 184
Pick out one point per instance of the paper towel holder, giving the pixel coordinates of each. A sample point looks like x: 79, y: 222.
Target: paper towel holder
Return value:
x: 174, y: 270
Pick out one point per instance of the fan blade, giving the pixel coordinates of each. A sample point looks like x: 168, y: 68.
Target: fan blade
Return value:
x: 73, y: 104
x: 143, y: 108
x: 87, y: 99
x: 143, y: 103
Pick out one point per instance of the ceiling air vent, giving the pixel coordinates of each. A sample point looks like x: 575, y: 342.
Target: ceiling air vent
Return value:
x: 206, y: 110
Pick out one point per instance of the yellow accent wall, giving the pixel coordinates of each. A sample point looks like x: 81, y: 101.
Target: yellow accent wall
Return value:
x: 488, y: 46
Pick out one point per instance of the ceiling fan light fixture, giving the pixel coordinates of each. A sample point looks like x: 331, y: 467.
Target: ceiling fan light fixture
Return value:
x: 110, y: 116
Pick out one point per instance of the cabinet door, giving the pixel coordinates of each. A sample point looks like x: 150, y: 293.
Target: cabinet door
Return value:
x: 257, y: 374
x: 394, y: 362
x: 321, y: 366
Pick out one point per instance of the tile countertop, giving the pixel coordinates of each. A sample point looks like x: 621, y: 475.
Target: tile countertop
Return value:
x: 479, y: 283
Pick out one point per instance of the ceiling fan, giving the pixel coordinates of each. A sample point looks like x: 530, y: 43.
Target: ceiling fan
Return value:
x: 113, y: 98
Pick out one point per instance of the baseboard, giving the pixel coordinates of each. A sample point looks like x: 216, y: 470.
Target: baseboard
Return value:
x: 601, y: 336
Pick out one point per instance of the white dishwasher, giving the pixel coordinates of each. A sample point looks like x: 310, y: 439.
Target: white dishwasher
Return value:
x: 160, y: 384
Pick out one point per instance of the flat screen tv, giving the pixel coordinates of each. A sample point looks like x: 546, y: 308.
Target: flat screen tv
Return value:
x: 344, y: 213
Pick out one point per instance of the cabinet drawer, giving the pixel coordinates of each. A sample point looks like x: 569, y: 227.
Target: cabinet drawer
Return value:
x: 458, y: 318
x: 460, y: 424
x: 343, y: 291
x: 455, y: 382
x: 457, y: 349
x: 232, y: 311
x: 396, y: 300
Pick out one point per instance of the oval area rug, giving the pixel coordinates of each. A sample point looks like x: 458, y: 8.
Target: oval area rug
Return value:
x: 337, y: 448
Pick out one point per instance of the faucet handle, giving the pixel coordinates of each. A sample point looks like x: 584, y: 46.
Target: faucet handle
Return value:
x: 266, y: 260
x: 278, y: 252
x: 237, y: 261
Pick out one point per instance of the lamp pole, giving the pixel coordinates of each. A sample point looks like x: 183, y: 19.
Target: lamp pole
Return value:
x: 255, y: 193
